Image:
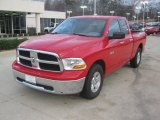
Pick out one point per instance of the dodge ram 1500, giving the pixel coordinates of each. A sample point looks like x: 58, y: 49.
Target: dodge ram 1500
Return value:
x: 76, y: 55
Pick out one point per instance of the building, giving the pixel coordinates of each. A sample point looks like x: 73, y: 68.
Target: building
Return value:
x: 25, y: 16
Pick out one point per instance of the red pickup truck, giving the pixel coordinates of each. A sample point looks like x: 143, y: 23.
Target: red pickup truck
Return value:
x: 77, y: 55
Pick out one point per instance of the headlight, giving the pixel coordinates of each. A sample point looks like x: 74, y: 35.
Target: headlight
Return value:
x: 17, y: 54
x: 74, y: 64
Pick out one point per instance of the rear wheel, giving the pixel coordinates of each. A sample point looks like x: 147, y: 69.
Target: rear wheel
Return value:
x: 135, y: 62
x: 93, y: 82
x: 154, y: 33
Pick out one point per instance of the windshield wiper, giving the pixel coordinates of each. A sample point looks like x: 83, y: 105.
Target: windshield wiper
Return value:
x: 79, y: 34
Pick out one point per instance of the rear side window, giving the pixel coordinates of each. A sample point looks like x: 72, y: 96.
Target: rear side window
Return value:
x: 123, y: 26
x: 114, y: 28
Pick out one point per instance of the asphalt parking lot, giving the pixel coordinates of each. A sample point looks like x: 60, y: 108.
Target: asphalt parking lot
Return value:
x: 127, y: 94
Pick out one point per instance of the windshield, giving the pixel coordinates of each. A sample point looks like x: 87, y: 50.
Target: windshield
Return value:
x: 81, y: 26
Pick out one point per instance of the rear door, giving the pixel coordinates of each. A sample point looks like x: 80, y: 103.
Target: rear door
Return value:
x: 127, y: 41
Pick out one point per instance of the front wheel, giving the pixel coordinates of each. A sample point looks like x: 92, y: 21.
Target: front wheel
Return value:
x: 135, y: 62
x: 93, y: 82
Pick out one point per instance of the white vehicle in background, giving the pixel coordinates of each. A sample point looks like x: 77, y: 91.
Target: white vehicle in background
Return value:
x: 51, y: 27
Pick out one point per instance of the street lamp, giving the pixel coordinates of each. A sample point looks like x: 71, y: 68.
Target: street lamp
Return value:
x: 144, y: 2
x: 112, y: 12
x: 158, y: 16
x: 138, y: 10
x: 128, y: 14
x: 83, y: 7
x: 134, y: 18
x: 69, y: 13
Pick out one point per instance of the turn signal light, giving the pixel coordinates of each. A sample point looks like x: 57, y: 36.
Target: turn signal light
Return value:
x: 77, y: 67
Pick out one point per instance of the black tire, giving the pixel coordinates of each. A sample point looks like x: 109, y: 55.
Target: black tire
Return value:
x: 46, y: 31
x: 136, y: 61
x: 155, y: 33
x: 87, y: 91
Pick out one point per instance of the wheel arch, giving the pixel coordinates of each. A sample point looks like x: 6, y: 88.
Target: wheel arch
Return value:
x: 102, y: 63
x: 141, y: 46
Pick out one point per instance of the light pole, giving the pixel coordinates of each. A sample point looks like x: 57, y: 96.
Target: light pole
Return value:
x: 138, y: 10
x: 95, y: 7
x: 144, y: 10
x: 158, y: 16
x: 83, y: 7
x: 128, y: 14
x: 69, y: 13
x: 112, y: 12
x: 148, y: 18
x: 134, y: 18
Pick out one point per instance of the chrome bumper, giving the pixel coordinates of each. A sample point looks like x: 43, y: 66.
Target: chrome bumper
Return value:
x: 52, y: 86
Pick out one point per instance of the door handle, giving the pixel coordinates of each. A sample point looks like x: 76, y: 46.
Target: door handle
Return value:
x: 122, y: 42
x: 131, y: 40
x: 112, y: 52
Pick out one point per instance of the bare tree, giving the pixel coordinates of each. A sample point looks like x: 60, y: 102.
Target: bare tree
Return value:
x: 103, y: 7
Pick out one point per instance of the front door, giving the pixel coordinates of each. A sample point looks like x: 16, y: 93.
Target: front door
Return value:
x: 128, y: 40
x: 2, y: 27
x: 115, y: 47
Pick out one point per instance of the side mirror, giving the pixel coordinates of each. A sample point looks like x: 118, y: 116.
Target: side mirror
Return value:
x: 117, y: 35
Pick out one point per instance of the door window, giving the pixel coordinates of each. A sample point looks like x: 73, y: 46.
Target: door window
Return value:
x: 123, y: 26
x: 114, y: 28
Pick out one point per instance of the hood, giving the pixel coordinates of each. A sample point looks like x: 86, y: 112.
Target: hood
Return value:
x: 64, y: 45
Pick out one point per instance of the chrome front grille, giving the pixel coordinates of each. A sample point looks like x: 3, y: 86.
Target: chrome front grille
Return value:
x: 40, y: 60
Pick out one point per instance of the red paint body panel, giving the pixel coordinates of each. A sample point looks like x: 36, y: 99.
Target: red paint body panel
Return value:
x: 90, y: 49
x: 62, y: 76
x: 64, y: 45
